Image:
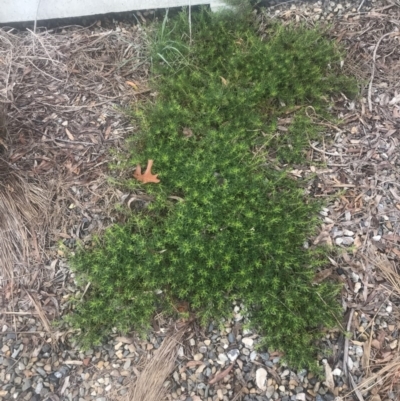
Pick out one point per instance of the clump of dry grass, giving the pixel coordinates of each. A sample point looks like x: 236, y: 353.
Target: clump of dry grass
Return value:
x: 20, y: 204
x: 150, y: 385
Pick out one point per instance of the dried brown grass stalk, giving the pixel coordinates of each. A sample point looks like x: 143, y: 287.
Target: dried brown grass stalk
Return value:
x: 150, y: 385
x: 20, y: 203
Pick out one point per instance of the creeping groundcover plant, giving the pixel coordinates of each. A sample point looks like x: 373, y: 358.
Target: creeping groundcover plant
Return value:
x: 226, y: 222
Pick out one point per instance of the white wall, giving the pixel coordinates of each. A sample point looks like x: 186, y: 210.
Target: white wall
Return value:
x: 30, y: 10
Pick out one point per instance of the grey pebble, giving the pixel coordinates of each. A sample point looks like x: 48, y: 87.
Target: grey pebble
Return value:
x: 245, y: 351
x: 27, y: 384
x: 41, y: 371
x: 233, y: 354
x: 231, y: 337
x: 39, y: 387
x: 203, y: 349
x: 212, y: 355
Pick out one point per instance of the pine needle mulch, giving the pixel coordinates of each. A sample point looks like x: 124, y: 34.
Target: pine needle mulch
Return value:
x: 63, y: 94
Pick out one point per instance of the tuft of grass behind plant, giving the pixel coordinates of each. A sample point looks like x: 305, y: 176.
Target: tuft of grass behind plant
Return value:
x: 227, y: 222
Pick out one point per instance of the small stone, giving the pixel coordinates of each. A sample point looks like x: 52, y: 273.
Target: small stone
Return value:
x: 301, y: 396
x: 233, y: 354
x: 192, y: 342
x: 253, y: 356
x: 222, y: 359
x: 41, y: 372
x: 176, y: 376
x: 207, y: 342
x: 203, y: 349
x: 336, y: 372
x: 347, y: 241
x: 231, y: 338
x: 198, y: 357
x: 355, y: 277
x: 39, y: 387
x: 339, y: 240
x: 270, y: 391
x: 348, y: 233
x: 359, y: 351
x: 393, y: 344
x: 350, y: 363
x: 357, y: 287
x: 389, y: 308
x: 248, y: 342
x: 245, y: 351
x: 377, y: 237
x: 27, y: 384
x: 261, y: 379
x: 127, y: 364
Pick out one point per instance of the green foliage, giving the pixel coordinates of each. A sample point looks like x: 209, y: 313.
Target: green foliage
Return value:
x: 226, y: 223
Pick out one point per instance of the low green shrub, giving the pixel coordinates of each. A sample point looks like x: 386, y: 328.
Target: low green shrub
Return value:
x: 227, y: 222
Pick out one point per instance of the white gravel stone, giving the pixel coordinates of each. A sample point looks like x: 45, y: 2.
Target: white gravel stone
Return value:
x: 359, y: 351
x: 233, y: 354
x: 222, y: 359
x: 350, y: 363
x: 261, y: 379
x: 248, y: 342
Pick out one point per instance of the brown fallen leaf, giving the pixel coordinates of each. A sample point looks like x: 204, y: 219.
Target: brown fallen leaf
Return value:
x: 132, y: 84
x: 322, y: 275
x: 221, y: 375
x: 147, y: 176
x: 191, y: 364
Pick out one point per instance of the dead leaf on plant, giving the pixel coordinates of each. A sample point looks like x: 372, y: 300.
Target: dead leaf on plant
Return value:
x: 224, y: 81
x: 187, y: 132
x: 322, y: 275
x: 147, y: 176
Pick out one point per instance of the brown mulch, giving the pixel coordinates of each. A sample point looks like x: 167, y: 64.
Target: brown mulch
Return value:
x: 361, y: 182
x: 66, y: 93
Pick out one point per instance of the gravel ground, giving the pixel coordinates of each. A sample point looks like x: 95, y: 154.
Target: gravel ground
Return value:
x: 36, y: 365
